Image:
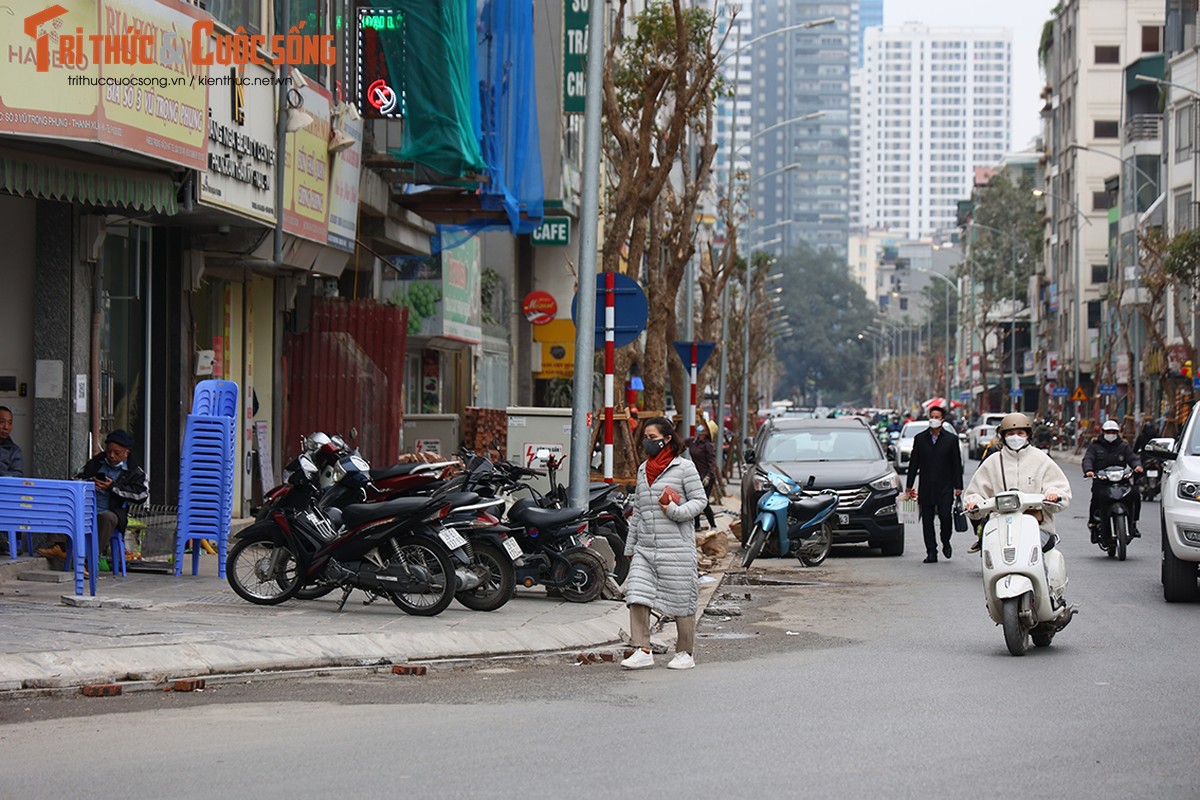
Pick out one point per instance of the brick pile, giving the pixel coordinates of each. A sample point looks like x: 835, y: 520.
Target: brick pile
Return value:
x: 485, y: 430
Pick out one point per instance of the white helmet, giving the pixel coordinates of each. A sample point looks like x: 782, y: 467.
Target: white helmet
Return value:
x: 1110, y: 425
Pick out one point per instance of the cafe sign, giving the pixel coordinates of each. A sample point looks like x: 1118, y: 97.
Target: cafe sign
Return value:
x: 554, y: 231
x: 241, y: 144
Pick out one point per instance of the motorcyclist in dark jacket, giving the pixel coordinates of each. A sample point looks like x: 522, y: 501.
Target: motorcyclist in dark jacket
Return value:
x: 1109, y: 450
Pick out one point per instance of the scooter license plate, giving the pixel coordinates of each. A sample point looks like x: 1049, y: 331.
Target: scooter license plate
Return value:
x: 451, y: 538
x: 1151, y: 473
x: 843, y: 519
x: 513, y: 547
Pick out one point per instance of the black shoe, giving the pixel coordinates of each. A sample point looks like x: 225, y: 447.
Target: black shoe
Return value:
x: 975, y: 548
x: 1134, y: 533
x: 946, y: 551
x: 931, y: 559
x: 1095, y: 536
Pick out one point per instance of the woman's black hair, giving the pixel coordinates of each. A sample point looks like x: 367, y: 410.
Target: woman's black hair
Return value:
x: 667, y: 428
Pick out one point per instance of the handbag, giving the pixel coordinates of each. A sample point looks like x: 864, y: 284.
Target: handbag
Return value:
x: 960, y: 516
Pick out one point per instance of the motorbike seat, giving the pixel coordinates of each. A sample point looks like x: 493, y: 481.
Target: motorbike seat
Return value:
x: 361, y: 513
x: 457, y: 499
x: 394, y: 471
x: 543, y: 518
x: 809, y: 507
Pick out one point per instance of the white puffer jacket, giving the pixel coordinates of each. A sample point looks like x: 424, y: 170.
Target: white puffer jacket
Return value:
x: 662, y: 545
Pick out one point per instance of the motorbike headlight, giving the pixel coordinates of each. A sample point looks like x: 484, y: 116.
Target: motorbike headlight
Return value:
x: 1189, y: 490
x: 1008, y: 503
x: 781, y: 485
x: 887, y: 482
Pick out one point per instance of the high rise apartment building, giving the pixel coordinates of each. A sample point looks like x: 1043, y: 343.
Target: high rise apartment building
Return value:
x: 733, y: 112
x: 935, y: 104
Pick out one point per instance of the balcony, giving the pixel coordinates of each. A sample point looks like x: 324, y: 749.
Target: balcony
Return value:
x: 1143, y: 127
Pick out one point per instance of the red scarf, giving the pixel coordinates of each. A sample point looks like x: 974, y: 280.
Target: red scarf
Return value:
x: 656, y: 465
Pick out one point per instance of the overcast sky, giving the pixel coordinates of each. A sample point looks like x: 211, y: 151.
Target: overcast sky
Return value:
x: 1023, y: 17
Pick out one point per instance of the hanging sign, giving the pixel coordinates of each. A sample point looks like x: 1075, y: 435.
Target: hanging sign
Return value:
x: 575, y: 33
x: 539, y: 307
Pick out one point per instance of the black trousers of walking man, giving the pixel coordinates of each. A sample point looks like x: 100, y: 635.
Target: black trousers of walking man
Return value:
x: 942, y: 510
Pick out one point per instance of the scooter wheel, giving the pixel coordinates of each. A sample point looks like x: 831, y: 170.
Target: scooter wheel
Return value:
x: 754, y: 546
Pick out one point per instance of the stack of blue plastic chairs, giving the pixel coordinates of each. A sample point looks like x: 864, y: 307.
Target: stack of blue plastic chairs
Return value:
x: 29, y: 505
x: 207, y: 472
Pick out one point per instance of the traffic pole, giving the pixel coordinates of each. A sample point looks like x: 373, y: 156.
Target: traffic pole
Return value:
x: 610, y: 324
x: 692, y: 421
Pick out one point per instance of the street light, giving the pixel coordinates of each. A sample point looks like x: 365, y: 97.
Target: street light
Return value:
x: 1012, y: 239
x: 949, y: 285
x: 805, y: 118
x: 1161, y: 82
x: 1072, y: 204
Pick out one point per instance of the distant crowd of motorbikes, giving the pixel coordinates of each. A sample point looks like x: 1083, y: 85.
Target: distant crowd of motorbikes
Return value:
x: 423, y: 535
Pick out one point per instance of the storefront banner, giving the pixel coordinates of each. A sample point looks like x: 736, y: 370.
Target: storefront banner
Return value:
x: 306, y: 171
x: 241, y: 143
x: 343, y: 192
x: 461, y: 291
x: 156, y: 109
x: 441, y: 292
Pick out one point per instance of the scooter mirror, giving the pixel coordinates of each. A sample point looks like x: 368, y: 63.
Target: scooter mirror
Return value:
x: 1162, y: 448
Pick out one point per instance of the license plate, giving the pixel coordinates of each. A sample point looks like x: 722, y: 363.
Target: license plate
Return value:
x: 1151, y: 473
x: 513, y: 548
x: 843, y: 519
x: 451, y: 538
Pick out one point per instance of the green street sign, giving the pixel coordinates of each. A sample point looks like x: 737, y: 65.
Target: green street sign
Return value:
x: 554, y: 231
x: 575, y: 25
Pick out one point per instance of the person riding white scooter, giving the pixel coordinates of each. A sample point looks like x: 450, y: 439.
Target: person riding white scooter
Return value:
x: 1020, y: 467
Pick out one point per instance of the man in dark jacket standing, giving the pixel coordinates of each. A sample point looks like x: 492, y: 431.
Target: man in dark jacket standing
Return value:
x: 12, y: 463
x: 1110, y: 450
x: 936, y: 458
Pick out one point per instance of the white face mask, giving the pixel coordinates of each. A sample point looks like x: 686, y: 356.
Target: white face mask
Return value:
x: 1110, y: 437
x: 1015, y: 441
x: 935, y: 424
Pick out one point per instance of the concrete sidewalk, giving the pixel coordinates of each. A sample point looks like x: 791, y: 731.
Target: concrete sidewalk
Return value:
x: 156, y: 627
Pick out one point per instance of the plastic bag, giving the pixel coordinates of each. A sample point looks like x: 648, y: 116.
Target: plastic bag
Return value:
x: 908, y: 512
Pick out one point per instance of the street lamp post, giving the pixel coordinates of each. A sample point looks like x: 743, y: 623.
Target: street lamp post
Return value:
x: 949, y: 285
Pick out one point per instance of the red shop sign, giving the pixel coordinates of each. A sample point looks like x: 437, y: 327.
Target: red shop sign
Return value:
x: 539, y: 307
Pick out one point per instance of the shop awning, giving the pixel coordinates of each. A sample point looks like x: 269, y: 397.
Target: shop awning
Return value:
x: 1150, y: 66
x: 90, y: 184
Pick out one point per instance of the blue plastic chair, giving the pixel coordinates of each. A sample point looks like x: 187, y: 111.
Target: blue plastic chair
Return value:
x: 215, y: 398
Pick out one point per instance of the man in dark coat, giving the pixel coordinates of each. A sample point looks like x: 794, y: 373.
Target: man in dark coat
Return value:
x: 936, y: 458
x: 1110, y: 450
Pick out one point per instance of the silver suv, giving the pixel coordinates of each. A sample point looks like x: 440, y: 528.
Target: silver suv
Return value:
x: 1180, y: 511
x: 982, y: 433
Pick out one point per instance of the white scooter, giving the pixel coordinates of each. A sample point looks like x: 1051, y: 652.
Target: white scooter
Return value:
x: 1022, y: 583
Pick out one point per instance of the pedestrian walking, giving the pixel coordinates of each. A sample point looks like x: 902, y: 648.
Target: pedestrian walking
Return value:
x: 662, y: 546
x: 704, y: 456
x: 937, y: 461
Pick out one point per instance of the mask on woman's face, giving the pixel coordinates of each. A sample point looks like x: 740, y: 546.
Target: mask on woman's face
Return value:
x: 1110, y: 437
x: 935, y: 423
x: 1016, y: 441
x: 653, y: 446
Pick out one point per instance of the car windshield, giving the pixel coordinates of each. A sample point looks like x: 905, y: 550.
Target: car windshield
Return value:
x: 836, y: 444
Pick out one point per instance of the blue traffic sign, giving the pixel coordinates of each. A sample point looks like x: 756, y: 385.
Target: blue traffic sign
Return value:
x: 964, y: 395
x: 630, y: 309
x: 1107, y: 388
x: 703, y: 351
x: 1015, y: 392
x: 1196, y: 383
x: 1061, y: 391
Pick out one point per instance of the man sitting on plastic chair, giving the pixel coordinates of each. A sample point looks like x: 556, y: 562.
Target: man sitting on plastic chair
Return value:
x: 120, y: 483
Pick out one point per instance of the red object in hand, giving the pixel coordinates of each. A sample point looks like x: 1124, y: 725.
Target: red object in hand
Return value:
x: 669, y: 496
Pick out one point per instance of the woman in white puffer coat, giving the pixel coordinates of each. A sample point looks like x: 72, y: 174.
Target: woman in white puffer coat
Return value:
x: 662, y: 546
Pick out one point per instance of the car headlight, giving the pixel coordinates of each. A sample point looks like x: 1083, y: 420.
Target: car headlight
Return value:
x: 759, y: 482
x: 1189, y: 490
x: 889, y: 481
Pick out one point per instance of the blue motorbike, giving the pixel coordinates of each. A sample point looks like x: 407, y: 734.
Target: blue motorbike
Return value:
x: 802, y: 523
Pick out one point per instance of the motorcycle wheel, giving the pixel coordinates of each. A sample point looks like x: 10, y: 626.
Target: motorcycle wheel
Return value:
x: 1015, y: 635
x: 754, y: 545
x: 1120, y: 537
x: 262, y: 570
x: 499, y: 580
x: 582, y: 579
x: 817, y: 547
x: 435, y: 560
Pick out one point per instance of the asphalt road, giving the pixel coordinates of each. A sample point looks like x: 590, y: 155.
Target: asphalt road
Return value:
x: 866, y: 677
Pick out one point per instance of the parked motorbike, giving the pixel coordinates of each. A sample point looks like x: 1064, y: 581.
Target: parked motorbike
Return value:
x: 392, y: 549
x: 609, y: 510
x: 801, y: 524
x: 1151, y: 483
x: 1023, y: 580
x: 557, y: 555
x: 1115, y: 509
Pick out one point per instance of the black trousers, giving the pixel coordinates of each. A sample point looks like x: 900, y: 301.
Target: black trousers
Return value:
x: 942, y: 510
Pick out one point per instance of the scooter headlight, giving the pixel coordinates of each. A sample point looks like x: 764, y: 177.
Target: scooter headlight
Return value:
x: 781, y: 485
x: 1008, y: 503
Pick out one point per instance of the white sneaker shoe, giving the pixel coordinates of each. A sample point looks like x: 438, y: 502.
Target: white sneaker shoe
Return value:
x: 682, y: 661
x: 639, y: 660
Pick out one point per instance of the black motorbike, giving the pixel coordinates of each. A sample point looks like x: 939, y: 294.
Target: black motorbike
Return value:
x: 1115, y: 509
x: 1151, y: 483
x: 386, y: 549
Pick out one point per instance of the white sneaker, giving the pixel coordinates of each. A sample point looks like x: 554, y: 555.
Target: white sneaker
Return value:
x: 639, y: 660
x: 682, y: 661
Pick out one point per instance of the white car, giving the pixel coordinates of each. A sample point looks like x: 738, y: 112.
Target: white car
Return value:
x: 982, y: 433
x: 1180, y: 517
x: 904, y: 446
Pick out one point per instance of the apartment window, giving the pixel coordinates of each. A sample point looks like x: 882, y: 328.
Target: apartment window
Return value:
x: 1152, y: 38
x: 1101, y: 201
x: 1183, y: 133
x: 1106, y: 129
x: 1099, y: 273
x: 1093, y: 313
x: 1183, y: 211
x: 1108, y: 54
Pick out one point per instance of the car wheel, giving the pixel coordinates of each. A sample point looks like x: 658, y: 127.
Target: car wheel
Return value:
x: 1178, y: 576
x: 895, y: 547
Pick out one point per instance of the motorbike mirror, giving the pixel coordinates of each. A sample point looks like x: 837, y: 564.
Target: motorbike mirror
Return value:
x: 812, y: 479
x: 750, y: 457
x: 353, y: 432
